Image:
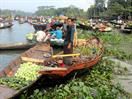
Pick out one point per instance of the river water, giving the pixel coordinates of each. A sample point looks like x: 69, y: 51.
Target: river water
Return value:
x: 15, y: 34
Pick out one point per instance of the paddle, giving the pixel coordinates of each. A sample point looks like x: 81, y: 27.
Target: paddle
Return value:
x: 65, y: 55
x: 29, y: 59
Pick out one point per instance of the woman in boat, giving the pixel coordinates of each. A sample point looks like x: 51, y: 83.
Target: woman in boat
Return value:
x: 68, y: 42
x: 42, y: 36
x: 57, y: 35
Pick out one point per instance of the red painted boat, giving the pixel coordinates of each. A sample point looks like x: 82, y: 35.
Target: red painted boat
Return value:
x: 36, y: 55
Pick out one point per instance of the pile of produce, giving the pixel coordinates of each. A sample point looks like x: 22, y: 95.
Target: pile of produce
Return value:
x: 83, y: 22
x: 25, y: 74
x: 129, y: 24
x: 88, y: 50
x: 30, y: 36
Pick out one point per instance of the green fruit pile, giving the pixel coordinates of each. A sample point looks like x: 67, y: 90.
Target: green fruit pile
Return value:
x: 83, y: 21
x: 30, y: 36
x: 129, y: 24
x: 25, y: 74
x: 28, y: 71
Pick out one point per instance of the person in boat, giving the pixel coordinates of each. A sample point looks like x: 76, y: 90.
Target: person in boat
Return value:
x: 75, y: 34
x: 57, y: 35
x: 64, y: 28
x: 68, y: 42
x: 42, y: 36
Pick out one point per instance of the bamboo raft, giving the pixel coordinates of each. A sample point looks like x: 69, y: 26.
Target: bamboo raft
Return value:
x: 35, y: 55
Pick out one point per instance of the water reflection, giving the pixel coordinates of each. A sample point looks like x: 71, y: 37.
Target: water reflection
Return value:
x: 15, y: 34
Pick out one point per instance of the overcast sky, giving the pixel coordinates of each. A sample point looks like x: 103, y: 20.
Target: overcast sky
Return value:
x: 31, y: 5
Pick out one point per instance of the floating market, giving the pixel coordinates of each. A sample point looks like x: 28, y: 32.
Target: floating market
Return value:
x: 66, y: 52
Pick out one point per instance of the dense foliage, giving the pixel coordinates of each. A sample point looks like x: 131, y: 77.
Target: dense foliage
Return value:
x: 113, y: 8
x: 7, y: 12
x: 70, y: 11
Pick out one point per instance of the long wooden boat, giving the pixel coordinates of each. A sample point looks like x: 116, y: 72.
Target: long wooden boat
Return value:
x: 36, y: 55
x: 11, y: 69
x: 7, y: 26
x: 126, y: 31
x: 16, y: 46
x: 84, y: 27
x: 39, y: 27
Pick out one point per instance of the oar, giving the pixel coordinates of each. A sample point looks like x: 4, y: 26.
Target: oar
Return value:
x: 65, y: 55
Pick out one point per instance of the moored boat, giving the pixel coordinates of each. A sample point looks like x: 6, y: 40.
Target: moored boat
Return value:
x: 6, y: 26
x: 126, y: 31
x: 7, y: 92
x: 43, y: 54
x: 39, y: 27
x: 16, y: 46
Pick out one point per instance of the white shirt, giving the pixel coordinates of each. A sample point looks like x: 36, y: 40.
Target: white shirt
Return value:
x: 40, y: 36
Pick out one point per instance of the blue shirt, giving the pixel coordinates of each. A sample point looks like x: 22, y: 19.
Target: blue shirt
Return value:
x: 58, y: 34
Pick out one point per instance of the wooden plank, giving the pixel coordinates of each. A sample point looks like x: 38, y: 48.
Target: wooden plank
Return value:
x: 53, y: 68
x: 27, y: 59
x: 6, y: 92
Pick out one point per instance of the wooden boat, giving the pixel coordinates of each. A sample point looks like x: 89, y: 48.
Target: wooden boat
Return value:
x: 7, y: 26
x: 11, y: 69
x: 77, y: 64
x: 39, y: 27
x: 21, y: 21
x: 84, y: 27
x: 128, y: 27
x: 36, y: 55
x: 127, y: 31
x: 16, y: 46
x: 107, y: 29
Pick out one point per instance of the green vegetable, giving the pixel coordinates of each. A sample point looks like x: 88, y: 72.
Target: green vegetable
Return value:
x: 25, y: 74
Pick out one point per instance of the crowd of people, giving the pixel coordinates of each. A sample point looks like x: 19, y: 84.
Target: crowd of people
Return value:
x: 64, y: 33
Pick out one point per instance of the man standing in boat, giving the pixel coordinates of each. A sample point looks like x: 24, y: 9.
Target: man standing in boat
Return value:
x: 68, y: 42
